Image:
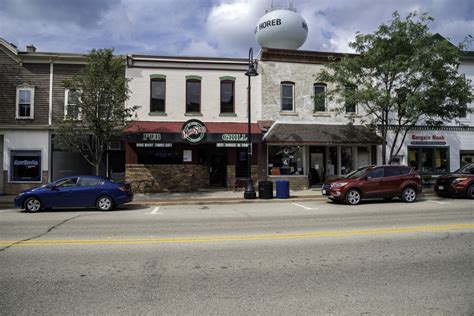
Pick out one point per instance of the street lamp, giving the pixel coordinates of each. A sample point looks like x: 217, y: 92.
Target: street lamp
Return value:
x: 249, y: 189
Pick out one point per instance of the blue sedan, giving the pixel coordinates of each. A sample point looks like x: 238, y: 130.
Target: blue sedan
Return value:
x: 78, y: 191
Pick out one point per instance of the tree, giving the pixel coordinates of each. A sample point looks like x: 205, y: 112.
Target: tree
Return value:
x: 404, y: 76
x: 96, y: 113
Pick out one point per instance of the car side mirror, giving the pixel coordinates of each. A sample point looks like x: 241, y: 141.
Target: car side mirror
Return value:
x: 365, y: 177
x: 54, y: 188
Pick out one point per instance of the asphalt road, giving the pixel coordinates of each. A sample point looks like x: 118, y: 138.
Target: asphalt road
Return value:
x: 275, y: 258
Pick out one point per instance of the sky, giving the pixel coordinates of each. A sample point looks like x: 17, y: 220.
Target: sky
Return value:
x: 213, y: 28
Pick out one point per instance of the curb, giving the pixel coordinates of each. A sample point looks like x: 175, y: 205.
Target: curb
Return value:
x: 219, y: 201
x: 225, y: 201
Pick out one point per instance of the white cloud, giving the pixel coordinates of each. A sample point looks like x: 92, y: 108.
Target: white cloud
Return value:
x: 199, y: 48
x: 206, y: 27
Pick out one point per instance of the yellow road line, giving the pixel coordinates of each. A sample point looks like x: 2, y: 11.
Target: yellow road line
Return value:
x: 344, y: 233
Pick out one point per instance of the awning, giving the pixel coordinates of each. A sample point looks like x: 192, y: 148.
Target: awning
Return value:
x: 320, y: 134
x: 172, y: 132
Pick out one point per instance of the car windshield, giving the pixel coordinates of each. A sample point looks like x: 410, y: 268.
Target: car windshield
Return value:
x: 467, y: 169
x: 356, y: 173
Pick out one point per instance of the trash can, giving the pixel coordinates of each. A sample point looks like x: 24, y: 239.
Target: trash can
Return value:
x: 265, y: 190
x: 282, y: 189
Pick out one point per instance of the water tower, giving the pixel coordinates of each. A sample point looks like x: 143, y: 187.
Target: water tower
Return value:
x: 281, y: 28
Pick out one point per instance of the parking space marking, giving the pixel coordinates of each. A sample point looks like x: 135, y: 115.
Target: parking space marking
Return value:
x: 305, y: 207
x: 155, y: 211
x: 439, y: 202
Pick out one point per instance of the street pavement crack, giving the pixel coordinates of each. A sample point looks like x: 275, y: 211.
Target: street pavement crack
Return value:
x: 46, y: 232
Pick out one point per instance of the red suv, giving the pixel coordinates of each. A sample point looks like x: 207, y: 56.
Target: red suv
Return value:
x: 370, y: 182
x: 458, y: 183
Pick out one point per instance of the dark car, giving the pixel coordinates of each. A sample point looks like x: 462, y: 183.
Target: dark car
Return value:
x: 371, y: 182
x: 78, y: 191
x: 458, y: 183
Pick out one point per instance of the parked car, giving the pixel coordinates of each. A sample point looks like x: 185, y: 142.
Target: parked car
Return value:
x: 458, y: 183
x: 370, y: 182
x: 78, y: 191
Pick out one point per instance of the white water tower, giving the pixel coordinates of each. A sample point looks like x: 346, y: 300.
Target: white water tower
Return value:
x: 281, y: 28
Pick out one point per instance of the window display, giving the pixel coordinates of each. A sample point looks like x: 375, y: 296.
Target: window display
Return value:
x: 25, y: 166
x: 285, y: 160
x: 429, y: 159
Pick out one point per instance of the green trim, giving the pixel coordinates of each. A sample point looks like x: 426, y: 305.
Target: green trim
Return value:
x: 230, y: 78
x: 157, y: 76
x: 157, y: 114
x: 193, y: 114
x: 192, y: 77
x: 228, y: 114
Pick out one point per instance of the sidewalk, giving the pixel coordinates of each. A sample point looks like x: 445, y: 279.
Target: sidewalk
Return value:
x: 211, y: 196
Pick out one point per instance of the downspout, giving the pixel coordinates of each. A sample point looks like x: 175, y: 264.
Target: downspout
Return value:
x: 50, y: 120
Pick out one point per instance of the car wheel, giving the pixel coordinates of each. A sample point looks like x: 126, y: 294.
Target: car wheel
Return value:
x: 409, y: 195
x: 32, y: 204
x: 104, y: 203
x: 353, y: 197
x: 470, y: 192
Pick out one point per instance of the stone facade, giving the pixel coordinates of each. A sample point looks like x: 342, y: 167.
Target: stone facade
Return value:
x: 296, y: 183
x: 302, y: 75
x: 234, y: 183
x: 166, y: 178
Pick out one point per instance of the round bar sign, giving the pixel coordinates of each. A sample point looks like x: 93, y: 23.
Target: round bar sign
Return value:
x: 193, y: 131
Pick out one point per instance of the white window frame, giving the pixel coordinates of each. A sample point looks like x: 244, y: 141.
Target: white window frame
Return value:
x: 324, y: 86
x: 66, y: 99
x: 32, y: 102
x: 292, y: 84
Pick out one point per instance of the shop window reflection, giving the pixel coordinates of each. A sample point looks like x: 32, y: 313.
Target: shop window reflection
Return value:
x: 347, y: 161
x: 285, y: 160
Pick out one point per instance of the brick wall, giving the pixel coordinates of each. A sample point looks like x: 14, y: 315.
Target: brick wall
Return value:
x: 167, y: 178
x: 15, y: 188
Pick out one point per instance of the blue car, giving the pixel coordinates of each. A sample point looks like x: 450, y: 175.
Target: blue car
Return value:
x: 77, y: 191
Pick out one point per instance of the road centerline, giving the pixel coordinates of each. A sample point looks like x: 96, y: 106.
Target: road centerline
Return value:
x: 257, y: 237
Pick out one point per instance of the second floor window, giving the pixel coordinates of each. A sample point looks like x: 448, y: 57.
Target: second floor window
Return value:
x: 193, y: 96
x: 25, y: 97
x: 350, y: 103
x: 71, y: 105
x: 319, y: 97
x: 287, y: 96
x: 157, y: 95
x: 227, y: 96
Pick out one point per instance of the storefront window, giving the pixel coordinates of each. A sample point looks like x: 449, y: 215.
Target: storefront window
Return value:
x: 332, y: 161
x: 466, y: 157
x: 347, y: 161
x: 441, y: 160
x: 25, y: 166
x: 160, y: 157
x: 285, y: 160
x: 429, y: 159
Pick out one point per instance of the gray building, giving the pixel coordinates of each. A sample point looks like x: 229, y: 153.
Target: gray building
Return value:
x: 33, y: 100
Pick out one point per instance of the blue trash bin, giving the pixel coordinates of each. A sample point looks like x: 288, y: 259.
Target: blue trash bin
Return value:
x: 282, y: 189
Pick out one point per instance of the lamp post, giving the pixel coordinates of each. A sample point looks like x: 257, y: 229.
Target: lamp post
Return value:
x: 249, y: 188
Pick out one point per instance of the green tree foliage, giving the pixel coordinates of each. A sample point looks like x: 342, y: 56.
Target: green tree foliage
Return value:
x: 404, y: 76
x: 99, y: 93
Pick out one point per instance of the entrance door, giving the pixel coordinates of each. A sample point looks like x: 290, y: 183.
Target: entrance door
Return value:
x: 362, y: 156
x: 217, y: 169
x: 1, y: 165
x: 316, y: 170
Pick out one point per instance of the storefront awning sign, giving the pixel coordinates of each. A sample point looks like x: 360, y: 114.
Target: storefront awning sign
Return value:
x: 194, y: 132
